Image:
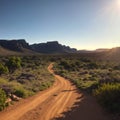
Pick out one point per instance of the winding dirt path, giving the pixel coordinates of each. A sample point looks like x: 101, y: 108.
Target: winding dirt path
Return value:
x: 54, y: 102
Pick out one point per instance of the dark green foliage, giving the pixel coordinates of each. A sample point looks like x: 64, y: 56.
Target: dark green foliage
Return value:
x: 86, y: 60
x: 92, y: 65
x: 45, y: 85
x: 13, y: 63
x: 70, y: 65
x: 109, y: 96
x: 2, y: 99
x: 3, y: 69
x: 20, y: 93
x: 65, y: 64
x: 88, y: 74
x: 32, y: 77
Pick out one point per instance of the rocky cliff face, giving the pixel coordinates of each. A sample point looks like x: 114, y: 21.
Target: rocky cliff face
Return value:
x: 52, y: 47
x: 15, y: 45
x: 22, y: 46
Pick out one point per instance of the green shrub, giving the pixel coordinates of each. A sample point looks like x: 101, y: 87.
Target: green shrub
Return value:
x: 20, y: 93
x: 66, y: 64
x: 92, y: 65
x: 23, y: 93
x: 3, y: 69
x: 109, y: 96
x: 2, y: 99
x: 14, y: 63
x: 45, y: 85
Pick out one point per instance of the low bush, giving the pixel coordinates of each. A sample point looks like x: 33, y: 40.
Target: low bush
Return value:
x: 13, y: 63
x: 20, y: 93
x: 45, y: 85
x: 3, y: 69
x: 2, y: 99
x: 108, y: 96
x: 23, y: 93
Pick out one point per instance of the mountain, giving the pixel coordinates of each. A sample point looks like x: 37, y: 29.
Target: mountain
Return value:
x: 52, y: 47
x: 15, y: 45
x: 20, y: 46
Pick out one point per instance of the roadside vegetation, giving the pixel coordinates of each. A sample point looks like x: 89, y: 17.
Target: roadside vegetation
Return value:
x: 2, y: 99
x: 108, y: 96
x: 100, y: 78
x: 23, y: 76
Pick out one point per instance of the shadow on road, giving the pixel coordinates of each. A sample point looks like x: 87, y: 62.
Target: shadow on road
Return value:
x: 86, y: 108
x: 68, y: 90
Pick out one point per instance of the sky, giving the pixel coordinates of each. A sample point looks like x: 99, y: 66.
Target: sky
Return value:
x: 82, y: 24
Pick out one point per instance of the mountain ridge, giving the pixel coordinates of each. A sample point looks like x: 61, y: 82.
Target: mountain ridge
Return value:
x: 21, y: 46
x: 52, y: 47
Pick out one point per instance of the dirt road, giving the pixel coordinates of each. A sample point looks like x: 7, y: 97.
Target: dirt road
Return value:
x: 51, y: 103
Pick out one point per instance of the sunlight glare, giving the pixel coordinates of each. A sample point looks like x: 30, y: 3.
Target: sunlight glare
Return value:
x: 118, y: 4
x: 112, y: 10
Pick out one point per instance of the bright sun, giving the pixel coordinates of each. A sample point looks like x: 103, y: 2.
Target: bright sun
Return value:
x: 112, y: 10
x: 118, y: 3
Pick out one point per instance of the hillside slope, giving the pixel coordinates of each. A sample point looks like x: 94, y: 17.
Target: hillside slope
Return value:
x: 20, y: 46
x: 113, y: 54
x: 15, y: 47
x: 52, y: 47
x: 4, y: 52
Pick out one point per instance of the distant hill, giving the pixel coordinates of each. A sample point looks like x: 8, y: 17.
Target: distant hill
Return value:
x: 52, y: 47
x: 94, y: 51
x: 105, y: 54
x: 85, y: 51
x: 102, y: 50
x: 20, y: 46
x: 4, y: 51
x: 113, y: 54
x: 13, y: 47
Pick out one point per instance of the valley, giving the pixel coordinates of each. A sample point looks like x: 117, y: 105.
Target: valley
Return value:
x: 59, y: 84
